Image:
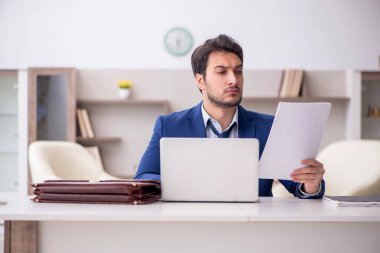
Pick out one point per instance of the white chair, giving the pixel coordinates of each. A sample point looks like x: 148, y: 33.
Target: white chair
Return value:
x: 278, y: 190
x: 61, y: 160
x: 352, y: 168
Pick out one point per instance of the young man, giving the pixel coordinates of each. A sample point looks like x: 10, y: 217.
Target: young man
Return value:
x: 218, y: 71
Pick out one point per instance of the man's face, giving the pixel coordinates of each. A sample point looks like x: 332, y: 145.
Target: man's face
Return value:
x: 223, y: 83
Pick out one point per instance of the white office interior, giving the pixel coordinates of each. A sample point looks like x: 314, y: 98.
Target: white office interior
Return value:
x: 99, y: 43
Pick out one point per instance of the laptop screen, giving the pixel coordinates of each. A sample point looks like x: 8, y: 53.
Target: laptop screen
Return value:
x: 209, y: 169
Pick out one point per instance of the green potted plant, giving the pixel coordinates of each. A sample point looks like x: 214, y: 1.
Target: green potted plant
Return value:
x: 124, y: 88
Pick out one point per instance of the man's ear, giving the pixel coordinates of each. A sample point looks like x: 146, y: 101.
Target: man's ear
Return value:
x: 200, y: 81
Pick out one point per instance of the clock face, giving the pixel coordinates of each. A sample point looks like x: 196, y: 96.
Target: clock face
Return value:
x: 178, y: 41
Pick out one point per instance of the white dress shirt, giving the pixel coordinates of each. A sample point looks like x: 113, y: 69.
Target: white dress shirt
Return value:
x: 210, y: 134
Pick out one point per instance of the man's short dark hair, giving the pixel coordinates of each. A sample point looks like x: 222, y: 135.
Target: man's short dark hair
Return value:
x: 222, y: 43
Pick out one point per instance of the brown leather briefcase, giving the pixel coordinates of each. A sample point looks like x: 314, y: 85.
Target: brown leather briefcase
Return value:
x: 105, y: 191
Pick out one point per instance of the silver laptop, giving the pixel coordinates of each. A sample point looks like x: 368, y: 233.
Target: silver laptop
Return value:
x: 209, y: 169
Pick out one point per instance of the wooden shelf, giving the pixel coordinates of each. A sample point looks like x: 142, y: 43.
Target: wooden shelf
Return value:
x: 98, y: 140
x: 298, y: 99
x: 371, y: 76
x: 371, y: 118
x: 164, y: 103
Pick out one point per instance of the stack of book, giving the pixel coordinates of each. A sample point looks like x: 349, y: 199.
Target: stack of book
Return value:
x: 291, y: 83
x: 85, y: 127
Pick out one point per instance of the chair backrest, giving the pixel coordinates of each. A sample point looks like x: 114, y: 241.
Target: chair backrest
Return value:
x: 352, y: 167
x: 61, y: 160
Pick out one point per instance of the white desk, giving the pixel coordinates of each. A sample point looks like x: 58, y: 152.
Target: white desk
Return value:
x: 273, y: 225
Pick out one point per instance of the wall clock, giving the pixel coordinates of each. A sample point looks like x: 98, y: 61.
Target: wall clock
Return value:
x: 178, y: 41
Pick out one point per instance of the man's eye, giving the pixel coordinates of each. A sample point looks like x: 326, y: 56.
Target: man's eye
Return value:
x: 221, y: 72
x: 239, y: 72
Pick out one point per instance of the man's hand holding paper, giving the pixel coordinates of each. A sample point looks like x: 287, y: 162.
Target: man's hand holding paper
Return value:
x: 310, y: 176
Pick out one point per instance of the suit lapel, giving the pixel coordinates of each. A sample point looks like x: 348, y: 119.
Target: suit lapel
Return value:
x: 246, y: 124
x: 195, y: 123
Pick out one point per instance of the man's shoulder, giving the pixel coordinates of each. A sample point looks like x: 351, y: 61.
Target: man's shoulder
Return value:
x: 180, y: 115
x: 262, y: 116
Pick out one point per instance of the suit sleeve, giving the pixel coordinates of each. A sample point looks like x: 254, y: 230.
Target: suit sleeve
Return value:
x: 294, y: 188
x: 149, y: 167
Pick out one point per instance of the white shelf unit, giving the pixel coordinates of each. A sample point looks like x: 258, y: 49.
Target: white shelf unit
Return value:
x: 8, y: 130
x: 119, y: 153
x: 261, y: 91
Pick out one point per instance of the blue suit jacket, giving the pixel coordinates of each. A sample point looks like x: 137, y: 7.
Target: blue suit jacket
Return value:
x: 189, y: 123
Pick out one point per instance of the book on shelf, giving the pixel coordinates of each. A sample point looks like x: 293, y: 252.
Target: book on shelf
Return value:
x: 285, y: 83
x: 85, y: 126
x: 351, y: 201
x: 82, y: 129
x: 94, y: 151
x: 291, y: 84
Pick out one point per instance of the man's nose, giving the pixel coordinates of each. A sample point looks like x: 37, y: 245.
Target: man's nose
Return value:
x: 231, y: 78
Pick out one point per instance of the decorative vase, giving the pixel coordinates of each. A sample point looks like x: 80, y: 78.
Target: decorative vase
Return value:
x: 124, y: 93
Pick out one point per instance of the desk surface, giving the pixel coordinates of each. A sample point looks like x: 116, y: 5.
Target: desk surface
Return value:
x: 267, y: 210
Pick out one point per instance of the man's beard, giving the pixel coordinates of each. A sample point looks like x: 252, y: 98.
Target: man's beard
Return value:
x: 225, y: 104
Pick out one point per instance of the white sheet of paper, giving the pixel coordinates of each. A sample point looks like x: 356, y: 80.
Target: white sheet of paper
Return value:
x: 295, y: 135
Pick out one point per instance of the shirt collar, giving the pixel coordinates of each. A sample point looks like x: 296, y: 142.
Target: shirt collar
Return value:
x: 206, y: 117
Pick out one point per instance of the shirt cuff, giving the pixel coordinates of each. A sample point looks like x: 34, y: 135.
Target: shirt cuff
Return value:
x: 310, y: 194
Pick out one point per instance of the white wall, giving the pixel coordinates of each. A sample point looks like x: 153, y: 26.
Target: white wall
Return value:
x: 314, y: 34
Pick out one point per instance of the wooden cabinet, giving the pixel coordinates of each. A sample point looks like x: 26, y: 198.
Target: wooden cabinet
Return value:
x: 51, y: 105
x: 52, y: 98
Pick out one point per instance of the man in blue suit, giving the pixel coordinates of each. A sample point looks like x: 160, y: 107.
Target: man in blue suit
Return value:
x: 218, y: 70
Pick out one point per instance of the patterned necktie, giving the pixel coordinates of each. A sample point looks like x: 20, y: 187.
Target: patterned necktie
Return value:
x: 225, y: 134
